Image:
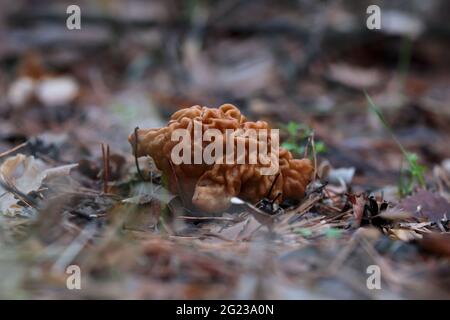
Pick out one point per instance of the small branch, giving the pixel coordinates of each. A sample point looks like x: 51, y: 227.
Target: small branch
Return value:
x: 313, y: 145
x: 136, y: 161
x: 208, y: 218
x: 74, y: 248
x: 306, y: 153
x: 271, y: 187
x: 276, y: 197
x: 8, y: 152
x: 9, y: 187
x: 106, y: 167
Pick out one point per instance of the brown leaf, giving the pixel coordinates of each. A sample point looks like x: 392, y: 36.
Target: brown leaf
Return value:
x: 425, y: 204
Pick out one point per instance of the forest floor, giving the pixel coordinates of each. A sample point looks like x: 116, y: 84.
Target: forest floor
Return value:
x: 70, y: 192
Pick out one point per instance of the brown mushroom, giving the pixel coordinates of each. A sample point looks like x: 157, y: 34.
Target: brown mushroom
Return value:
x: 209, y: 187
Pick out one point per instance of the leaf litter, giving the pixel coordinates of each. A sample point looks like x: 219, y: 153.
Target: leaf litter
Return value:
x: 66, y: 200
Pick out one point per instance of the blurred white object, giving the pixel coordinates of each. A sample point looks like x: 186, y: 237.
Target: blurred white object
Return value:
x: 51, y: 92
x: 236, y: 200
x: 446, y: 165
x: 20, y: 91
x: 57, y: 91
x: 401, y: 23
x: 337, y: 176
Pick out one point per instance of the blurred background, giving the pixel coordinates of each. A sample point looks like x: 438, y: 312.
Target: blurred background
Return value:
x: 302, y: 65
x: 283, y: 61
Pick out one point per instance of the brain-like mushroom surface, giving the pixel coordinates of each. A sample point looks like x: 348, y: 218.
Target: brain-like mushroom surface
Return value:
x: 209, y: 187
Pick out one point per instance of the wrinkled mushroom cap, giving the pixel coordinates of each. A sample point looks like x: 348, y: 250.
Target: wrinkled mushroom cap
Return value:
x: 209, y: 187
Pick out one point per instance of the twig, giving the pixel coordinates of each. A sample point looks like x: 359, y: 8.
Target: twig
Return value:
x: 74, y: 248
x: 20, y: 146
x: 8, y: 186
x: 209, y: 218
x: 273, y: 184
x: 136, y: 144
x: 337, y: 216
x: 306, y: 205
x: 305, y: 153
x: 313, y: 145
x: 217, y: 235
x: 108, y: 167
x: 276, y: 197
x: 105, y: 156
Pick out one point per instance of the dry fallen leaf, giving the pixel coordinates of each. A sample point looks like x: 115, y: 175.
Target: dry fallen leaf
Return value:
x: 426, y: 204
x: 26, y: 174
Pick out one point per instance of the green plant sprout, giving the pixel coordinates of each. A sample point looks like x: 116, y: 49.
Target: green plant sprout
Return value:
x: 415, y: 172
x: 298, y: 135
